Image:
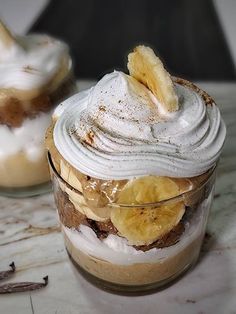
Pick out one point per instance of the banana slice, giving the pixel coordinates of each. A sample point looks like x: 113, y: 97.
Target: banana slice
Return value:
x: 69, y: 176
x: 148, y: 69
x: 78, y: 200
x: 143, y: 226
x: 97, y: 214
x: 151, y: 189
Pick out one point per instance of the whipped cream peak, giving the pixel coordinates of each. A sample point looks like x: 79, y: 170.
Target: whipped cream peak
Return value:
x: 6, y: 38
x: 124, y: 97
x: 30, y: 61
x: 118, y: 130
x: 121, y: 106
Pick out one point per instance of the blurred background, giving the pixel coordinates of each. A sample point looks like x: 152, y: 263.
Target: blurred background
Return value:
x: 195, y: 38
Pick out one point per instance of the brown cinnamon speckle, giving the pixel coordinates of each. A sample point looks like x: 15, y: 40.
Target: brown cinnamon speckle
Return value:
x: 102, y: 108
x: 28, y: 69
x: 207, y: 98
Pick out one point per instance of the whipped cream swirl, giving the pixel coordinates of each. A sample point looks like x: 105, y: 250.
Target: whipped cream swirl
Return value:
x: 118, y: 130
x: 31, y: 61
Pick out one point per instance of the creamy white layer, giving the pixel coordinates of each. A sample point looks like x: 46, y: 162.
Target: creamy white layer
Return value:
x: 116, y: 250
x: 118, y: 130
x: 28, y: 138
x: 31, y: 61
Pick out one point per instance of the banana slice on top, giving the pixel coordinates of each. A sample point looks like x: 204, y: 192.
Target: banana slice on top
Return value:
x: 148, y: 69
x: 143, y: 226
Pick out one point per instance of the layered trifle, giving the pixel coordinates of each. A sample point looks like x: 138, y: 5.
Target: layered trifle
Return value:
x: 133, y: 167
x: 35, y: 75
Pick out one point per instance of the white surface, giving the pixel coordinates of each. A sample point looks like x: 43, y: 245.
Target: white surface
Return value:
x: 226, y: 10
x: 29, y: 235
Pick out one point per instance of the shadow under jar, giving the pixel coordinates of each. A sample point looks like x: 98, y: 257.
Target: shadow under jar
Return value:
x: 105, y: 251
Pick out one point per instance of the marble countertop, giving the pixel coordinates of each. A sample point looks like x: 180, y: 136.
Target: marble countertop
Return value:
x: 30, y: 236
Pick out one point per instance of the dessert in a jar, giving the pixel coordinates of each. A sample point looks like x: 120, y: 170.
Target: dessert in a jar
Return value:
x: 35, y: 75
x: 133, y: 164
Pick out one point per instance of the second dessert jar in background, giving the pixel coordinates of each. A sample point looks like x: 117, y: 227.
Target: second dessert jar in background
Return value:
x: 35, y: 75
x: 133, y: 164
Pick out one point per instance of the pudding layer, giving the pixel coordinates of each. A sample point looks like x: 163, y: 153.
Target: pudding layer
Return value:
x: 138, y: 273
x: 19, y: 171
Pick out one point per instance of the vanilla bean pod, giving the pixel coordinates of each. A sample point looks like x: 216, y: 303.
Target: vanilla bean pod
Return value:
x: 5, y: 274
x: 23, y: 286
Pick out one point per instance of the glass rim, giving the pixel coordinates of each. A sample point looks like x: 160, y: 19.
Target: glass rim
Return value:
x: 155, y: 204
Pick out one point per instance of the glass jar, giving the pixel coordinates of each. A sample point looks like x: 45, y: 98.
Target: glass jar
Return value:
x: 23, y: 123
x: 123, y: 268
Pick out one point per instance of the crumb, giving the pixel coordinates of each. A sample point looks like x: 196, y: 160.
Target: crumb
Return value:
x: 28, y: 69
x: 190, y: 301
x: 102, y: 108
x: 89, y: 138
